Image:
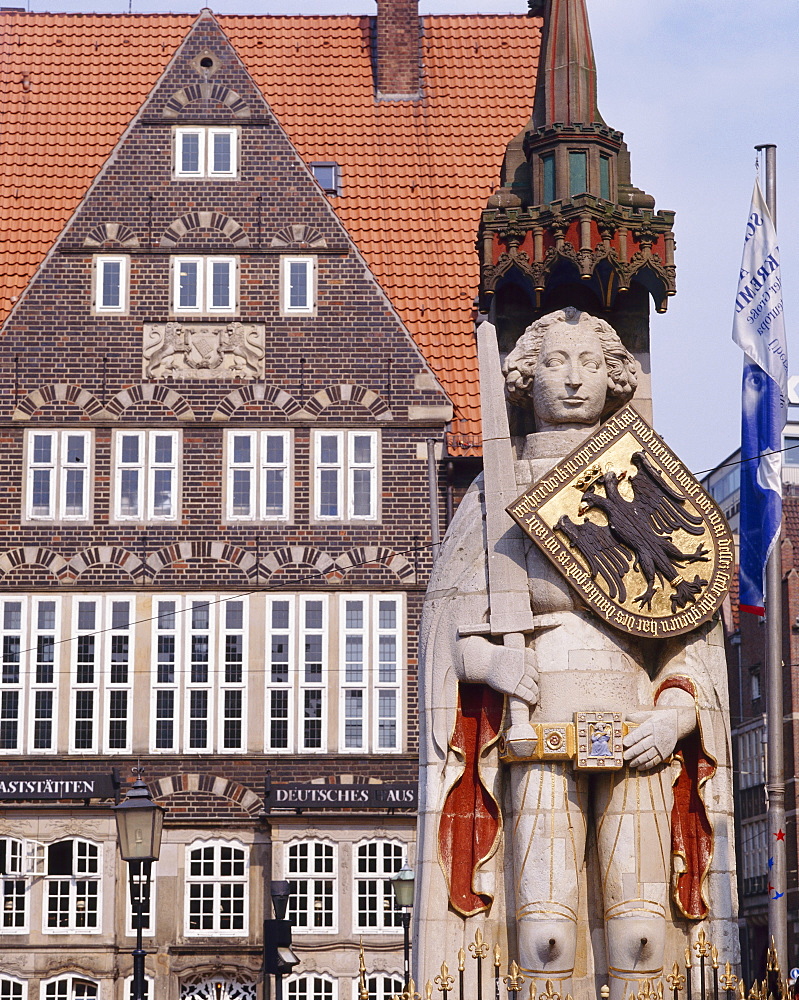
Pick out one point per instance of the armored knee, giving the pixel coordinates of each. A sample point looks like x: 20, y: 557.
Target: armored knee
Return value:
x: 547, y: 945
x: 636, y: 937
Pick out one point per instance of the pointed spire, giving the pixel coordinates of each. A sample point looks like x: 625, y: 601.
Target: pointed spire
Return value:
x: 566, y: 86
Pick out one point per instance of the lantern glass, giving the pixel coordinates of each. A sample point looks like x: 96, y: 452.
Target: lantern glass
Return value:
x: 402, y: 884
x: 139, y: 825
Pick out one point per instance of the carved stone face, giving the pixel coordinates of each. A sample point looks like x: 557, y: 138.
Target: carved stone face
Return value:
x: 571, y: 378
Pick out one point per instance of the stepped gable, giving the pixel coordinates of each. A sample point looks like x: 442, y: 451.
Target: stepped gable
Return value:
x: 354, y: 332
x: 417, y: 170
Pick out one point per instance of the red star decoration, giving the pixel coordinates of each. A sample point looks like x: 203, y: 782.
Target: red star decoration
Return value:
x: 780, y: 835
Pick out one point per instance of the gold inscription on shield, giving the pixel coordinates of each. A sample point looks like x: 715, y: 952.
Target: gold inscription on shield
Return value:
x: 632, y: 530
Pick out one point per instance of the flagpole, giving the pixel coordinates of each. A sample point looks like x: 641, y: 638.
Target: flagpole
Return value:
x: 775, y: 783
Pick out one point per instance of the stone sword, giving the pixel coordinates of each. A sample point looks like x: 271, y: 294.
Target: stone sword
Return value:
x: 510, y: 613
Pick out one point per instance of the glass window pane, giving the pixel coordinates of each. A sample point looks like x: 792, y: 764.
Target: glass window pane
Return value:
x: 328, y: 493
x: 298, y: 284
x: 241, y: 492
x: 280, y: 614
x: 110, y: 294
x: 548, y: 165
x: 73, y: 492
x: 162, y: 492
x: 200, y: 615
x: 129, y: 492
x: 328, y: 449
x: 354, y: 614
x: 46, y: 614
x: 234, y: 614
x: 273, y: 497
x: 221, y: 152
x: 361, y: 492
x: 130, y: 449
x: 578, y: 173
x: 42, y: 448
x: 220, y: 284
x: 190, y: 153
x: 163, y: 449
x: 387, y: 614
x: 242, y: 448
x: 40, y: 491
x: 86, y: 616
x: 313, y: 614
x: 362, y: 449
x: 604, y: 177
x: 187, y: 297
x: 274, y: 449
x: 76, y: 448
x: 12, y: 615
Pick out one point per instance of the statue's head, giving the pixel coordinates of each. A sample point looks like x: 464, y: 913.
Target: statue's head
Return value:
x: 571, y: 369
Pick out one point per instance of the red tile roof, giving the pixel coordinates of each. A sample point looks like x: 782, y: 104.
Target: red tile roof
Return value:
x: 415, y: 174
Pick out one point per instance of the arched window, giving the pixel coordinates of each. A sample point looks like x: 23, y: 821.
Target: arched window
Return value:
x: 72, y: 893
x: 12, y: 988
x: 321, y: 987
x: 217, y: 883
x: 376, y: 862
x: 70, y: 988
x: 312, y: 870
x: 383, y: 986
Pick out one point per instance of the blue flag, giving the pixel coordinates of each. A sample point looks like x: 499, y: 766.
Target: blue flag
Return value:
x: 759, y: 330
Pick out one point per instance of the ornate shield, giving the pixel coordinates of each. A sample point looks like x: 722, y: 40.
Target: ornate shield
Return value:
x: 632, y: 530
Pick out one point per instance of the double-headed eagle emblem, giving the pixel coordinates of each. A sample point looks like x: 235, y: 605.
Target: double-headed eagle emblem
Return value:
x: 632, y: 530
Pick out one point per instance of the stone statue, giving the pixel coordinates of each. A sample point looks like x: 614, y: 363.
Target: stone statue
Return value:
x: 584, y: 877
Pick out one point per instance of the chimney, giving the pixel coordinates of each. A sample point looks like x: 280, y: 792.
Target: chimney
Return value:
x: 398, y: 49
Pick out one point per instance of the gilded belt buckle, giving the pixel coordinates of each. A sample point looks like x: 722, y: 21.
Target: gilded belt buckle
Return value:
x: 599, y: 741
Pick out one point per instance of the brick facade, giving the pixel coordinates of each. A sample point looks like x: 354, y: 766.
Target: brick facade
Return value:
x: 348, y: 366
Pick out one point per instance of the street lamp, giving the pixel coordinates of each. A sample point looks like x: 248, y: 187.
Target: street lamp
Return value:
x: 139, y: 824
x: 402, y: 884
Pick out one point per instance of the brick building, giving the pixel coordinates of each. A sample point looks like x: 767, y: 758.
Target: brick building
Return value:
x: 222, y: 370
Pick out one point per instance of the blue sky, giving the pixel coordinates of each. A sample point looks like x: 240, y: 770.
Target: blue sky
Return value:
x: 694, y: 85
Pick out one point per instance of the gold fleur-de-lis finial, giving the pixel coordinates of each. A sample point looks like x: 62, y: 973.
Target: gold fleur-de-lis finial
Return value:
x: 714, y: 956
x: 675, y: 979
x: 702, y: 946
x: 645, y: 991
x: 741, y: 990
x: 687, y: 958
x: 754, y: 991
x: 497, y: 956
x: 728, y: 979
x: 444, y: 981
x: 549, y: 993
x: 659, y: 990
x: 428, y: 990
x: 514, y: 980
x: 461, y: 959
x: 478, y: 947
x: 410, y: 992
x: 531, y: 992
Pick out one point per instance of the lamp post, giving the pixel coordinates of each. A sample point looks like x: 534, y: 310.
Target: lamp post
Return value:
x: 139, y: 824
x: 402, y: 884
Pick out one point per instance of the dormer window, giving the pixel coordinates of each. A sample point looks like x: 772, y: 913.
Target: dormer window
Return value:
x: 327, y: 174
x: 206, y: 152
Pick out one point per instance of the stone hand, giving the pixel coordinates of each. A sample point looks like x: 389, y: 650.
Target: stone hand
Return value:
x: 654, y: 738
x: 511, y: 671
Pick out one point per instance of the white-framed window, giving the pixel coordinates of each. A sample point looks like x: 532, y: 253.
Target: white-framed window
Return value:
x: 319, y: 987
x: 111, y: 283
x: 44, y: 675
x: 258, y: 475
x: 376, y: 862
x: 327, y: 175
x: 752, y: 755
x: 102, y: 675
x: 146, y: 475
x: 149, y: 908
x: 345, y: 475
x: 72, y: 888
x: 217, y: 876
x: 58, y: 471
x: 204, y: 285
x: 15, y: 864
x: 754, y: 855
x: 206, y: 152
x: 297, y: 286
x: 11, y: 676
x: 12, y: 988
x: 70, y: 988
x: 370, y: 682
x: 297, y: 673
x: 312, y: 871
x: 381, y: 986
x: 199, y: 674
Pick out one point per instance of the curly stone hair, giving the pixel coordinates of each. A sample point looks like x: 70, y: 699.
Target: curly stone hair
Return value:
x: 520, y: 364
